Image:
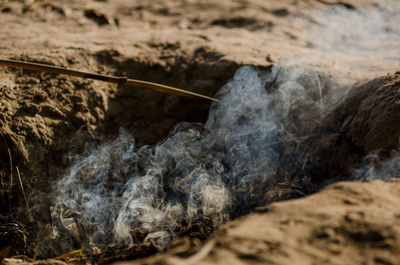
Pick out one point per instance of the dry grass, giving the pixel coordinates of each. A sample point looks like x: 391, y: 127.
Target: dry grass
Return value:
x: 73, y: 254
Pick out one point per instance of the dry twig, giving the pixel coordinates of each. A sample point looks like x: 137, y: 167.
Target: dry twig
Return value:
x: 112, y: 79
x: 35, y: 253
x: 319, y: 87
x: 23, y: 192
x: 320, y: 101
x: 78, y: 252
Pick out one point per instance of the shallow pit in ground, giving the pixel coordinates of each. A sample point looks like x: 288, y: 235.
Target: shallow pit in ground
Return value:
x: 97, y: 116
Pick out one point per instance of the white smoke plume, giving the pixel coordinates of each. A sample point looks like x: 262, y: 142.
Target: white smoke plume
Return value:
x: 117, y: 195
x: 351, y: 44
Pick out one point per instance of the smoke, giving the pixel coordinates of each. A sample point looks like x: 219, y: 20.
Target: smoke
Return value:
x: 375, y: 166
x: 117, y: 195
x: 350, y: 43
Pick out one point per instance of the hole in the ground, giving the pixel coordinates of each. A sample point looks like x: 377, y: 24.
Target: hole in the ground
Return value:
x: 275, y: 135
x: 249, y: 152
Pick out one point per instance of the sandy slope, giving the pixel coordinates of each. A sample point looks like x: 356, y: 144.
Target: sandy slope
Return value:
x: 346, y: 223
x: 197, y: 45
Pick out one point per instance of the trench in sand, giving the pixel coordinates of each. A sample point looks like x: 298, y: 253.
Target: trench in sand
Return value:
x: 296, y: 169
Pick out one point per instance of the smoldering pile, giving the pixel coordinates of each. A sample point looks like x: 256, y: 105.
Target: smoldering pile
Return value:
x: 117, y: 195
x: 255, y: 147
x: 258, y: 145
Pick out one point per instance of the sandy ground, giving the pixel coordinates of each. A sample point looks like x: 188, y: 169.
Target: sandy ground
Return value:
x: 197, y: 45
x: 346, y: 223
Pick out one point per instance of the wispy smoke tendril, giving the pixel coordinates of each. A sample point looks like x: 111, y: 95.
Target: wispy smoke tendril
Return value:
x: 118, y: 195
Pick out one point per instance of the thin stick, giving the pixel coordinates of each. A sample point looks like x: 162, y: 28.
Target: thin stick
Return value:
x: 35, y: 253
x: 111, y: 79
x: 305, y: 162
x: 319, y: 87
x: 23, y: 192
x: 69, y: 254
x: 320, y: 102
x: 11, y: 167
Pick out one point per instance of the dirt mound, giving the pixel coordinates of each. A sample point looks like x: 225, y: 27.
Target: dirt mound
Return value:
x: 346, y: 223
